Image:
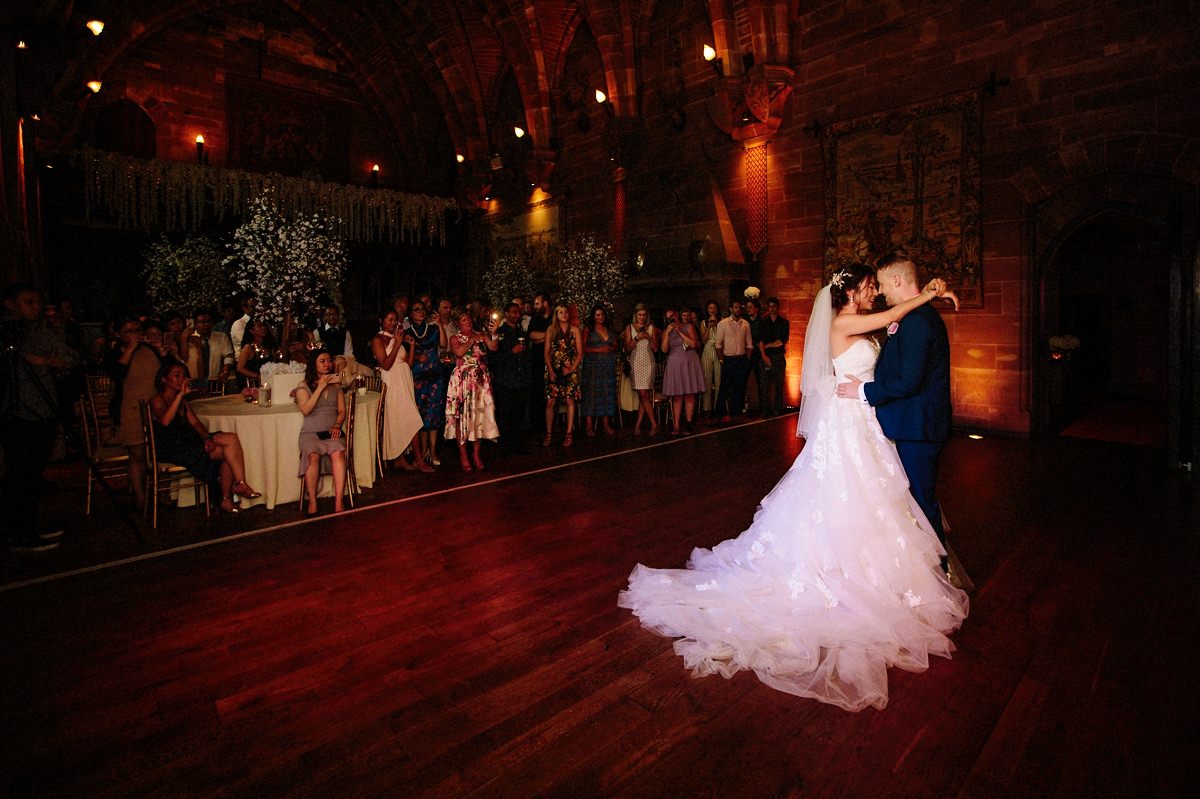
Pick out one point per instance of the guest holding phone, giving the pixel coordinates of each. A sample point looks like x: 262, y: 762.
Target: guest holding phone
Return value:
x: 324, y: 407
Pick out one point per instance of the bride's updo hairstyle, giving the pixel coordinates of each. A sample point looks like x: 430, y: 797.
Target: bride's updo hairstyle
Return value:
x: 847, y: 278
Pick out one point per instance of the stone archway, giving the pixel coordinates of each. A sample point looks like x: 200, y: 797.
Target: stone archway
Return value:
x: 1153, y: 222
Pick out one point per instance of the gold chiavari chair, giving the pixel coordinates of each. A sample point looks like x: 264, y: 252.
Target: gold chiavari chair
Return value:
x: 379, y: 429
x: 111, y: 461
x: 162, y: 477
x: 99, y: 392
x: 348, y: 435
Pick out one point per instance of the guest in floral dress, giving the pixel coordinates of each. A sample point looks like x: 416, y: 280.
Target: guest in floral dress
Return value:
x: 429, y: 379
x: 599, y: 372
x: 709, y: 359
x: 470, y: 409
x: 563, y: 354
x: 641, y: 342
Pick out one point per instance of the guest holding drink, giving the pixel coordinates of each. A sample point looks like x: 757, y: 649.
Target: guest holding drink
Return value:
x: 599, y: 372
x: 429, y: 379
x: 709, y: 359
x: 182, y: 439
x: 393, y: 352
x: 563, y: 354
x: 470, y: 408
x: 321, y: 401
x: 683, y: 376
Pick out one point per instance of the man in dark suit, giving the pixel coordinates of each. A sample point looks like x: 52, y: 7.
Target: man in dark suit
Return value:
x: 911, y: 389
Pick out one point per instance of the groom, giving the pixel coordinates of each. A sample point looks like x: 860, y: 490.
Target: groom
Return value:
x: 911, y: 390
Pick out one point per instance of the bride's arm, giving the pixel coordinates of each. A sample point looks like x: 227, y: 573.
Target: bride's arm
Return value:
x: 859, y: 324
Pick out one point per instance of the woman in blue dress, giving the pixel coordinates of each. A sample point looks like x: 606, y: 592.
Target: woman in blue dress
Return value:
x: 599, y: 372
x: 429, y: 378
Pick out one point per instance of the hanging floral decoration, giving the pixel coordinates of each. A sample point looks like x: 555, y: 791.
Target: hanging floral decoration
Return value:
x: 155, y: 195
x: 287, y: 265
x: 589, y: 275
x: 507, y: 277
x: 182, y: 277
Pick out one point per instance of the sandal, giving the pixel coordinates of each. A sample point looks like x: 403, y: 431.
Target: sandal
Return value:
x: 567, y: 440
x: 246, y: 491
x: 546, y: 440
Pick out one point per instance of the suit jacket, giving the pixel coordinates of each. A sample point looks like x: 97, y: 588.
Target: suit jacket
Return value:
x: 911, y: 390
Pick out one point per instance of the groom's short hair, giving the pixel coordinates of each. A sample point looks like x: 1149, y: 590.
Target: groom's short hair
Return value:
x: 901, y: 261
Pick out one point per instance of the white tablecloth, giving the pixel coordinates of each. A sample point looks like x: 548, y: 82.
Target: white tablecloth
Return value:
x: 271, y: 440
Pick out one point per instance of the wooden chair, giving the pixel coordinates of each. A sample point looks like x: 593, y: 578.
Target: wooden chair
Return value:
x: 165, y: 477
x: 373, y: 383
x: 348, y: 435
x: 111, y: 461
x: 99, y: 391
x: 379, y: 429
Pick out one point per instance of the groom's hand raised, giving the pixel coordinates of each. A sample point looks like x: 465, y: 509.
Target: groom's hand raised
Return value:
x: 849, y: 389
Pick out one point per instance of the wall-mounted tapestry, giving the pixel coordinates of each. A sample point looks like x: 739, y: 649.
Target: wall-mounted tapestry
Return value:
x: 276, y: 129
x: 908, y: 178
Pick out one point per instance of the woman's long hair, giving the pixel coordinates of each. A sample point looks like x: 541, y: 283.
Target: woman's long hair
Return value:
x: 310, y: 368
x: 556, y: 332
x: 591, y: 323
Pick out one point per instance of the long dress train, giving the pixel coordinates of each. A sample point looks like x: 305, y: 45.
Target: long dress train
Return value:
x: 836, y: 579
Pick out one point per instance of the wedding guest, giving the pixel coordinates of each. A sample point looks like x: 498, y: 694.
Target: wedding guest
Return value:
x: 400, y: 306
x: 175, y: 335
x: 709, y: 360
x: 470, y: 409
x: 155, y: 338
x: 393, y: 351
x: 225, y: 323
x: 539, y: 323
x: 510, y: 367
x: 683, y: 376
x: 209, y: 352
x: 237, y: 330
x: 522, y: 304
x: 563, y: 354
x: 332, y: 335
x: 298, y: 340
x: 599, y: 378
x: 257, y: 350
x: 445, y: 316
x: 773, y: 332
x: 135, y: 369
x: 753, y: 315
x: 349, y: 369
x: 321, y: 401
x: 734, y: 345
x: 641, y: 342
x: 429, y: 379
x: 182, y: 439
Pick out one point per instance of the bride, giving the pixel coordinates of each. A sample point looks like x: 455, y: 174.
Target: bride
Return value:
x: 839, y: 575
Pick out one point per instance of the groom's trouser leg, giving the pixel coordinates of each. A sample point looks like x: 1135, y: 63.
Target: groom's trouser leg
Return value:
x: 920, y: 460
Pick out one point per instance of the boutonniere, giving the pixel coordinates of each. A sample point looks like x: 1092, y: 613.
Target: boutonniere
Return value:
x: 892, y: 328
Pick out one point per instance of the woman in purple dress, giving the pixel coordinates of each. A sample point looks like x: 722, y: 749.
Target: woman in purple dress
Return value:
x: 683, y: 376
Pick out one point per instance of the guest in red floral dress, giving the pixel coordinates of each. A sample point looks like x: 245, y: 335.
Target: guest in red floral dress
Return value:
x: 470, y: 410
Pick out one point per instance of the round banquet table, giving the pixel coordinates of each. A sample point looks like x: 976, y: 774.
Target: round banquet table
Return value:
x: 271, y: 441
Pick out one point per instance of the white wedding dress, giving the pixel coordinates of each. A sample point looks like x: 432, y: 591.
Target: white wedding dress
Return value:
x: 837, y: 578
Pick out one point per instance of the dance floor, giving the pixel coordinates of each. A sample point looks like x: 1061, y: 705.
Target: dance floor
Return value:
x: 468, y: 643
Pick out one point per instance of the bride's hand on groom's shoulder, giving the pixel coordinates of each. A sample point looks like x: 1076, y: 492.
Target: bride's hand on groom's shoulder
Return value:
x: 950, y: 295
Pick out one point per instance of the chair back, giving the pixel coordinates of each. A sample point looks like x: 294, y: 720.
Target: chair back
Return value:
x: 373, y: 383
x: 348, y: 427
x: 148, y: 436
x: 89, y: 425
x: 99, y: 391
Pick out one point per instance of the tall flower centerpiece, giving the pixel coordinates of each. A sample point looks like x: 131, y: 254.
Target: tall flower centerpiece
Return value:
x: 182, y: 277
x: 589, y: 275
x: 507, y: 277
x: 285, y: 264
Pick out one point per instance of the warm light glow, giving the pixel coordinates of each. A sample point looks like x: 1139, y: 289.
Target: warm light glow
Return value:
x: 94, y: 85
x: 459, y: 157
x: 975, y: 436
x: 375, y: 168
x: 518, y: 131
x: 96, y: 26
x: 709, y: 53
x: 199, y: 138
x: 601, y: 96
x: 21, y: 45
x: 36, y: 118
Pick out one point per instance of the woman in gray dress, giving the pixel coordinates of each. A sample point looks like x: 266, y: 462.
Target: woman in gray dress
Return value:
x: 324, y: 407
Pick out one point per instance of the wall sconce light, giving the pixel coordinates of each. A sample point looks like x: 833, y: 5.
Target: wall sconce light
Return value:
x: 375, y: 176
x: 459, y: 157
x: 21, y: 45
x: 94, y: 85
x: 96, y: 26
x: 518, y: 131
x: 199, y: 148
x: 604, y: 102
x: 710, y: 55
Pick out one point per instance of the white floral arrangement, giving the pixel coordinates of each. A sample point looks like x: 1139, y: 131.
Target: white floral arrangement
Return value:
x: 507, y: 277
x: 281, y: 378
x: 186, y: 276
x: 589, y: 275
x: 285, y: 265
x: 751, y: 293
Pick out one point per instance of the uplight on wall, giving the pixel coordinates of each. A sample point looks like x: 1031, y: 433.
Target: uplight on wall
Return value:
x: 199, y: 148
x: 518, y: 131
x: 459, y: 157
x: 94, y: 85
x: 96, y: 26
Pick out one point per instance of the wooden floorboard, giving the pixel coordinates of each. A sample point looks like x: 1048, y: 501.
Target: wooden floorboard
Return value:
x: 468, y: 644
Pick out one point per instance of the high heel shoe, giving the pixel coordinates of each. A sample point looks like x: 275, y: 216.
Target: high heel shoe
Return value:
x: 232, y: 510
x: 246, y: 492
x: 568, y: 441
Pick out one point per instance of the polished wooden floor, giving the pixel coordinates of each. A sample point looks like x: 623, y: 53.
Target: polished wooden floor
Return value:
x: 469, y: 644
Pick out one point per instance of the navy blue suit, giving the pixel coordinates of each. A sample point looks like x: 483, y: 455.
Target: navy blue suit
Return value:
x: 911, y: 397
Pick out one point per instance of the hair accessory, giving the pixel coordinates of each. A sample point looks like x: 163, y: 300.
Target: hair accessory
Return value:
x: 839, y: 277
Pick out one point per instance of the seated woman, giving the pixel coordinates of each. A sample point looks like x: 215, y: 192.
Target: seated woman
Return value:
x: 321, y: 401
x: 182, y: 439
x: 257, y: 349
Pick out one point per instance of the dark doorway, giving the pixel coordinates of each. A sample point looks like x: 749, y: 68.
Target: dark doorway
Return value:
x: 1114, y: 298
